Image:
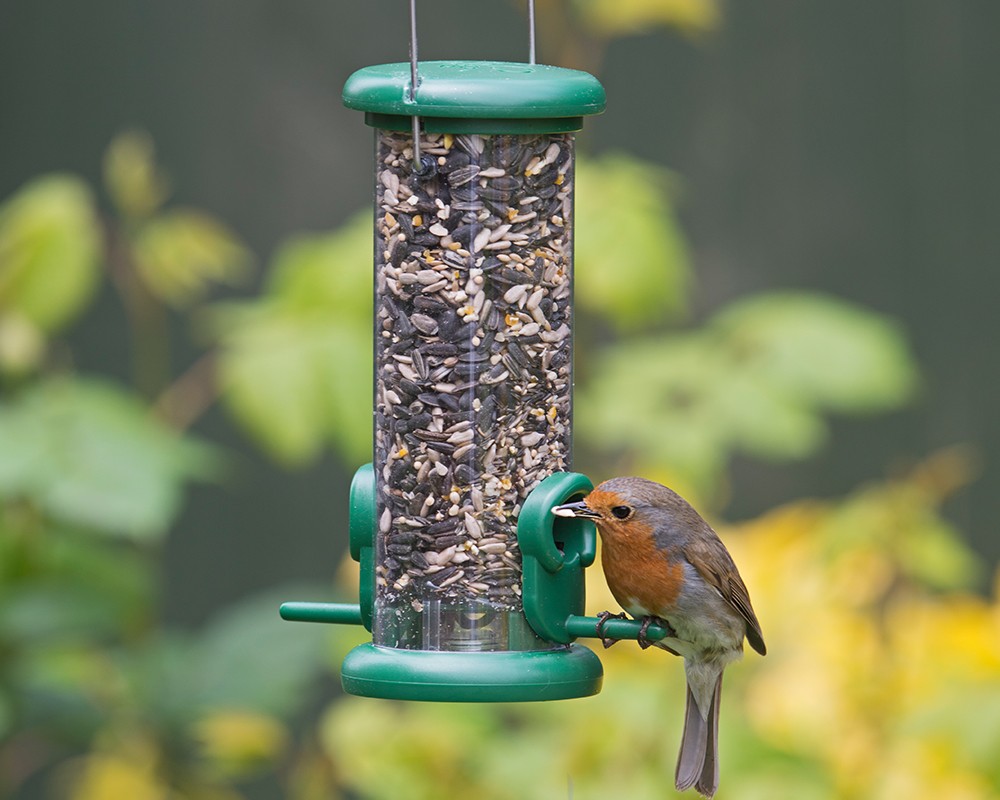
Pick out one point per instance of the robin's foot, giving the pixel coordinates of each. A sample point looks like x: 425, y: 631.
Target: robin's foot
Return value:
x: 643, y: 639
x: 604, y: 616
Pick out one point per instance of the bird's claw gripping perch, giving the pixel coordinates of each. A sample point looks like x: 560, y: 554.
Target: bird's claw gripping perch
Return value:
x: 604, y: 616
x: 643, y: 638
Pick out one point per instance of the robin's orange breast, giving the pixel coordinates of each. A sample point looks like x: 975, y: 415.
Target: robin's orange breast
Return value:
x: 639, y: 573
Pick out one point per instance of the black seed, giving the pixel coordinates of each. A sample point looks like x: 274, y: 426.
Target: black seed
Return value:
x: 506, y: 183
x: 408, y: 387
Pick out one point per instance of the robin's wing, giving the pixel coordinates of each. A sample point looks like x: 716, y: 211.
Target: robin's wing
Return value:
x: 709, y: 556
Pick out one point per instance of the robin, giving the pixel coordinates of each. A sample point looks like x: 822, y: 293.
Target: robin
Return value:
x: 665, y: 565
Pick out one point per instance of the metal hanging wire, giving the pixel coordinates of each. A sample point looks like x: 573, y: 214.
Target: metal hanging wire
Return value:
x: 415, y: 76
x: 417, y: 165
x: 531, y: 31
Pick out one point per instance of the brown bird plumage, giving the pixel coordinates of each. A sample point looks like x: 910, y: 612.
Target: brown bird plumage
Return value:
x: 663, y: 561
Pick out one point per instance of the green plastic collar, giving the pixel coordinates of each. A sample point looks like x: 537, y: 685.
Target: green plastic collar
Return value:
x: 476, y: 96
x: 506, y: 677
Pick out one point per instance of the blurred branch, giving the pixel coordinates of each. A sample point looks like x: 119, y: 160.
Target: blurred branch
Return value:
x: 146, y: 315
x: 182, y: 403
x: 560, y: 32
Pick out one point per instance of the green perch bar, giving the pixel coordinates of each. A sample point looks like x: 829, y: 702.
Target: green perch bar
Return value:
x: 336, y: 613
x: 576, y: 625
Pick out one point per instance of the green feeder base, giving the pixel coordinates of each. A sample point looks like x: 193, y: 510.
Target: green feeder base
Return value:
x: 504, y: 677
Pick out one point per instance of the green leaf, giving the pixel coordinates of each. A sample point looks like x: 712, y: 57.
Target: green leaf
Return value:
x: 632, y: 264
x: 689, y: 409
x: 91, y: 455
x: 65, y: 689
x: 41, y: 611
x: 328, y: 274
x: 756, y: 379
x: 935, y: 554
x: 904, y: 519
x: 180, y: 254
x: 136, y: 185
x: 76, y: 587
x: 245, y: 657
x: 49, y: 249
x: 296, y: 366
x: 248, y: 657
x: 823, y: 351
x: 297, y: 383
x: 654, y: 397
x: 763, y: 420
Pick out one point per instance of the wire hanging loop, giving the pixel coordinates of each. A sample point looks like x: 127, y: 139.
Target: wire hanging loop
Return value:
x: 418, y: 165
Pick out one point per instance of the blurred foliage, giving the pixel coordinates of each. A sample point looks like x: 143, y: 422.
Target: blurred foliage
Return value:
x: 878, y: 683
x: 882, y: 675
x: 181, y: 253
x: 49, y: 251
x: 305, y: 347
x: 97, y: 699
x: 88, y: 453
x: 631, y: 258
x: 177, y: 254
x: 612, y: 18
x: 132, y: 178
x: 748, y: 380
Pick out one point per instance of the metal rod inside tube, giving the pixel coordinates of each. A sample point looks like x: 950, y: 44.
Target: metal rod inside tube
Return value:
x: 416, y: 144
x: 413, y: 83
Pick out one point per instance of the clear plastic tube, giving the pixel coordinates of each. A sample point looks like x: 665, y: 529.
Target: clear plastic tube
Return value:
x: 473, y: 362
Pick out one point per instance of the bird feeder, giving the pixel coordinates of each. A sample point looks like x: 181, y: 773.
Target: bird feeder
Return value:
x: 471, y: 588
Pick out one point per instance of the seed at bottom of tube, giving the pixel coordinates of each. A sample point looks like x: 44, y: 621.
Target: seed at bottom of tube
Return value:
x: 457, y: 576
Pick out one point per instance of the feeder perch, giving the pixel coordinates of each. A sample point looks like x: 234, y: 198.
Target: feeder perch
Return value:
x: 472, y: 589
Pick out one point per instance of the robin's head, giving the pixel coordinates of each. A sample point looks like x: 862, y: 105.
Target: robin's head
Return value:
x: 626, y: 507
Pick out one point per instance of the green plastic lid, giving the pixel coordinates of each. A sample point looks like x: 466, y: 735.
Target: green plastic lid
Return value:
x: 476, y: 97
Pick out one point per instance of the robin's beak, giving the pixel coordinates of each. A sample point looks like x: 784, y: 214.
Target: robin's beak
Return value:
x: 579, y: 509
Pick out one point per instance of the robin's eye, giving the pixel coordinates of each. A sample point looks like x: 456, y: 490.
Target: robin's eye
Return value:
x: 621, y: 512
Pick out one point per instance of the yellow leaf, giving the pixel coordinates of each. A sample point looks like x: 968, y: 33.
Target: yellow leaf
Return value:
x: 50, y: 246
x: 622, y: 17
x: 181, y: 253
x: 21, y: 344
x: 135, y: 184
x: 237, y: 741
x: 114, y: 775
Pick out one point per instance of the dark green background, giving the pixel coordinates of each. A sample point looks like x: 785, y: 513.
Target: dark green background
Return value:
x: 848, y: 147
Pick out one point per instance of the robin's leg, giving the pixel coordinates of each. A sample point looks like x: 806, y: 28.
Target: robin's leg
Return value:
x: 644, y: 629
x: 604, y: 616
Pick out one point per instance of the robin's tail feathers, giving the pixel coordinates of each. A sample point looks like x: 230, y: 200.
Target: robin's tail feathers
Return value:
x: 698, y: 760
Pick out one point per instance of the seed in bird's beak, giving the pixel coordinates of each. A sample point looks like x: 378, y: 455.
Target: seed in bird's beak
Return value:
x: 579, y: 509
